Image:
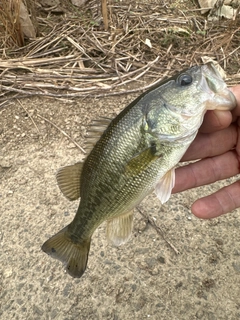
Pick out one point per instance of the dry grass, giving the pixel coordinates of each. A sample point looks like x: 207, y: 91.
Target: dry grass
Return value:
x: 10, y: 23
x: 74, y: 56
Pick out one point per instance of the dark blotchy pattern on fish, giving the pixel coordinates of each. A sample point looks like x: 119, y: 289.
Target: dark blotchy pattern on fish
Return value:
x: 135, y: 154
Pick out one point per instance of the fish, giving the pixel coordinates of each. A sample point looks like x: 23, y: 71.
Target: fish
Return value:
x: 132, y: 155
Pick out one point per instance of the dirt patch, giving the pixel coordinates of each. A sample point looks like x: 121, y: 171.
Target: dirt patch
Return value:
x: 144, y: 278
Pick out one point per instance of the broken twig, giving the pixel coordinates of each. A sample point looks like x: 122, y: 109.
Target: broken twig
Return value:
x: 63, y: 132
x: 159, y: 230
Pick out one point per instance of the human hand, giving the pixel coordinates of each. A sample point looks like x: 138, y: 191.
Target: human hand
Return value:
x: 218, y: 146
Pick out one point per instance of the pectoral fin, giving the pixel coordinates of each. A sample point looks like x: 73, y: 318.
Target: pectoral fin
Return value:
x: 119, y: 229
x: 141, y: 161
x: 68, y: 179
x: 164, y: 187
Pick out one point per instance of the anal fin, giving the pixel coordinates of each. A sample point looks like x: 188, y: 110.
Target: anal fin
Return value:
x: 119, y: 229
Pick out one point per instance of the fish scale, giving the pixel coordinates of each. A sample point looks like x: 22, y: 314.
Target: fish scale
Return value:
x: 136, y: 153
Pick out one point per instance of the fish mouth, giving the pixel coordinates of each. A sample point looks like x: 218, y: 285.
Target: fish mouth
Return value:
x: 228, y: 100
x: 209, y: 68
x: 222, y: 97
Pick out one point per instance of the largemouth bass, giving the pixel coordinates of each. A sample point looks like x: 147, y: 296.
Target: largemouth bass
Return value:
x: 132, y: 155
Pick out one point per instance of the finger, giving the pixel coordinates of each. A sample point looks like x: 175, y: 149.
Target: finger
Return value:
x: 238, y: 141
x: 206, y: 171
x: 215, y: 120
x: 236, y: 92
x: 218, y: 203
x: 212, y: 144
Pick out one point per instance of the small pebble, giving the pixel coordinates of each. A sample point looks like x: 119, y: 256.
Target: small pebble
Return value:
x: 7, y: 273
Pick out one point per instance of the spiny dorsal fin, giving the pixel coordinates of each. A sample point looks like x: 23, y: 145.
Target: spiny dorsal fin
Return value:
x: 119, y: 229
x: 95, y: 130
x: 68, y: 179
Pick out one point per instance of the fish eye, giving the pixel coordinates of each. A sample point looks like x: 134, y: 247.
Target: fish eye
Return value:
x: 184, y: 80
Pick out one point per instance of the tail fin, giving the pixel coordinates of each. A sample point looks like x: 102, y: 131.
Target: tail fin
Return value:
x: 74, y: 255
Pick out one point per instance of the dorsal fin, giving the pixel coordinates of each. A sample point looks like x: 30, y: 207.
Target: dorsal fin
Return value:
x: 68, y: 179
x: 95, y: 130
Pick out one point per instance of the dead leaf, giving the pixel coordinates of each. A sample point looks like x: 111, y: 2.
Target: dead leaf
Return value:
x: 206, y: 5
x: 25, y: 22
x: 232, y: 2
x: 226, y: 12
x: 49, y: 3
x: 206, y: 59
x: 78, y: 3
x: 148, y: 43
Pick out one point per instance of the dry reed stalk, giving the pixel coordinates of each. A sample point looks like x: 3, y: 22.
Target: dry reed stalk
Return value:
x: 78, y: 58
x: 105, y: 13
x: 9, y: 17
